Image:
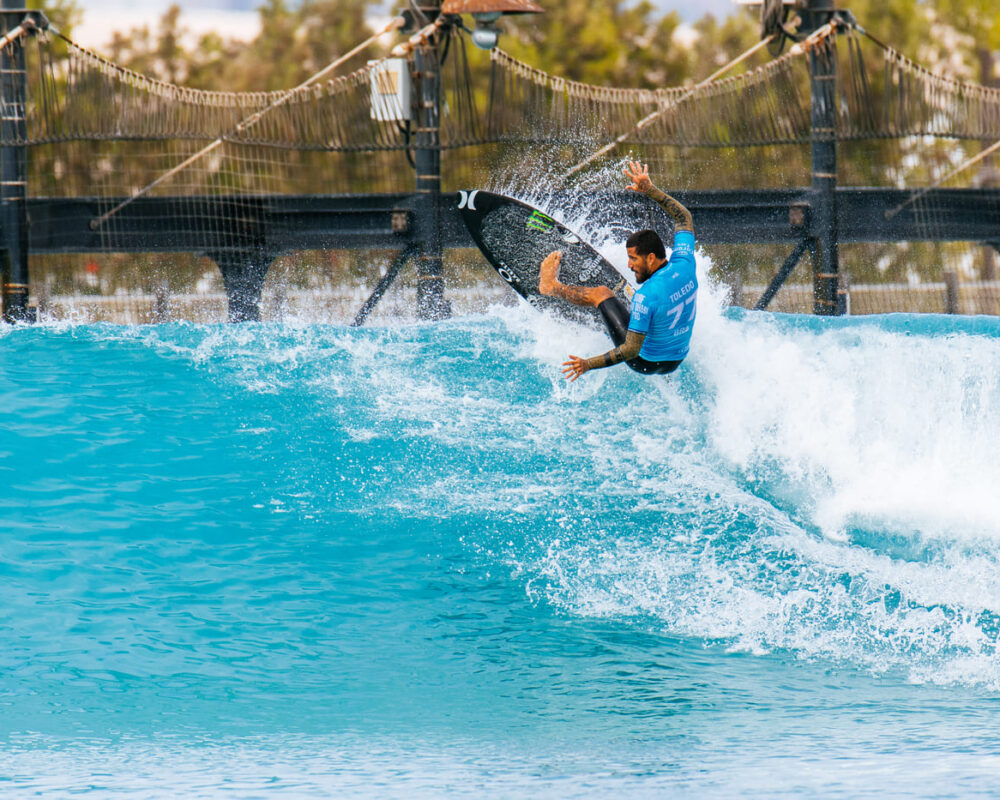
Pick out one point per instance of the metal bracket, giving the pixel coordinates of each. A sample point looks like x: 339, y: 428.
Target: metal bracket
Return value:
x: 782, y: 274
x: 36, y: 19
x: 798, y: 215
x: 401, y: 220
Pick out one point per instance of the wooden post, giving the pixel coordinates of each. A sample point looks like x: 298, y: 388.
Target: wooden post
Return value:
x: 988, y: 270
x: 951, y: 292
x: 844, y: 294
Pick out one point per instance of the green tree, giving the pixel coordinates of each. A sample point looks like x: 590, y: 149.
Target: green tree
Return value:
x: 605, y: 42
x: 295, y: 42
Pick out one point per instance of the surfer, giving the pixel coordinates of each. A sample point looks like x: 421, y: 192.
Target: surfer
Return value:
x: 653, y: 339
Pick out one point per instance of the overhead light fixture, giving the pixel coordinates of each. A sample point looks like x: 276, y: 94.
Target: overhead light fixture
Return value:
x: 486, y: 33
x: 487, y: 14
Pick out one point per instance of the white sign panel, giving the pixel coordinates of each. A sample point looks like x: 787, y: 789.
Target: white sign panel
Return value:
x: 390, y: 89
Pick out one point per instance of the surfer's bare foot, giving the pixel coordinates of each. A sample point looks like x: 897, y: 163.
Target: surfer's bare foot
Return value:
x: 548, y: 280
x: 548, y: 284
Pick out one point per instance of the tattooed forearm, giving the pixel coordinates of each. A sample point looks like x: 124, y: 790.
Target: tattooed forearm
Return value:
x: 574, y: 294
x: 607, y: 359
x: 632, y: 345
x: 628, y: 350
x: 677, y: 212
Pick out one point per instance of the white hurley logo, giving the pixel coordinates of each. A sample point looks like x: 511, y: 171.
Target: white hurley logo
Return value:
x: 467, y: 200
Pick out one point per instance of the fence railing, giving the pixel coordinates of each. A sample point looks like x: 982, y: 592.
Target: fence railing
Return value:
x: 339, y: 305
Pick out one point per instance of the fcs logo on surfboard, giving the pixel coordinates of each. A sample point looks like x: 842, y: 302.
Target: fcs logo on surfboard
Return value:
x: 467, y: 199
x: 506, y: 274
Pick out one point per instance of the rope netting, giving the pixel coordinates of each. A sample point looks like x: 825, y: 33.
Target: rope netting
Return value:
x: 83, y: 96
x: 883, y: 93
x: 766, y: 105
x: 898, y: 98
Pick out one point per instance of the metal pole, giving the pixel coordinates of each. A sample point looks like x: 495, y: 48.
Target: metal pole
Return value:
x: 383, y: 285
x: 431, y: 304
x: 782, y: 275
x: 823, y: 84
x: 13, y: 170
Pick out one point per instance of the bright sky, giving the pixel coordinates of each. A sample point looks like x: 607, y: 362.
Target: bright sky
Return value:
x: 239, y: 19
x: 100, y: 17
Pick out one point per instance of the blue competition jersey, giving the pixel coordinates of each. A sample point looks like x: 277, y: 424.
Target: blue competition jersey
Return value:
x: 663, y: 308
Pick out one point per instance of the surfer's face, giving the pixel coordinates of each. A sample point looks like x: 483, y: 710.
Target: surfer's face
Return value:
x: 642, y: 266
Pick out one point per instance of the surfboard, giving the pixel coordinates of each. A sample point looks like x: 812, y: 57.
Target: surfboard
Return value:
x: 515, y: 237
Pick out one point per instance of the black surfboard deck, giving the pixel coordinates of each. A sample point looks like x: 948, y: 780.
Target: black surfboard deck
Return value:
x: 516, y: 237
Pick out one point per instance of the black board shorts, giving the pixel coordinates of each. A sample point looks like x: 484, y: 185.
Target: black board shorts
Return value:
x: 616, y: 318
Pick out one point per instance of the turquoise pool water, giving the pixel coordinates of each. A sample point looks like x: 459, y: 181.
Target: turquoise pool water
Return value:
x: 306, y: 561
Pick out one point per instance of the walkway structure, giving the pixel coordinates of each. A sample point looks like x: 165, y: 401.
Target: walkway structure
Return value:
x: 96, y: 158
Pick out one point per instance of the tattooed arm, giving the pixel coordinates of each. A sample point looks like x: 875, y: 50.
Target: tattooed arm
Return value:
x: 629, y: 349
x: 678, y: 213
x: 639, y: 175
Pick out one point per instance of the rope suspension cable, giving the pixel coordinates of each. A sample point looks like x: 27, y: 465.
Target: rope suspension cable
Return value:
x: 28, y: 25
x: 892, y: 212
x: 396, y: 22
x: 821, y: 33
x: 815, y: 38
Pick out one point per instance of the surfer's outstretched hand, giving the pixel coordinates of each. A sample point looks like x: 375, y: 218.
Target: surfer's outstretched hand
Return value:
x: 574, y: 368
x: 639, y: 175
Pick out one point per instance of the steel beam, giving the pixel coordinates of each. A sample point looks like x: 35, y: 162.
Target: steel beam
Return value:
x: 13, y: 170
x: 823, y: 130
x: 431, y: 304
x: 782, y: 275
x: 363, y: 222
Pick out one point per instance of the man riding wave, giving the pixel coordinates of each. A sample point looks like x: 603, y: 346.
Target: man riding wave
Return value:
x: 654, y: 338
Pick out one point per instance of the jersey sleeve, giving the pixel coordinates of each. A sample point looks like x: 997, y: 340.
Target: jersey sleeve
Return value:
x: 683, y: 245
x: 641, y: 312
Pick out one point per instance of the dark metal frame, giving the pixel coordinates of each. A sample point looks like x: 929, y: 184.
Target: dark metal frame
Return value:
x: 386, y: 221
x: 427, y: 160
x: 14, y: 169
x: 823, y: 123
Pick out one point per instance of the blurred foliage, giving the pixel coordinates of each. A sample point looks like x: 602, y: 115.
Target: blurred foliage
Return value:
x: 605, y: 42
x: 294, y: 42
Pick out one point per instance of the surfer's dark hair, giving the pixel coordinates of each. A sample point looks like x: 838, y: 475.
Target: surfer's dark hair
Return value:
x: 646, y: 242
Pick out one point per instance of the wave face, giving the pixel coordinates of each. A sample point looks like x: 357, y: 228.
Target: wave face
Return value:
x: 403, y: 561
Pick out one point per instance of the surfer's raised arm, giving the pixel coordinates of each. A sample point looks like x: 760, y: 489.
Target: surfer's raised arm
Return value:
x: 639, y: 175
